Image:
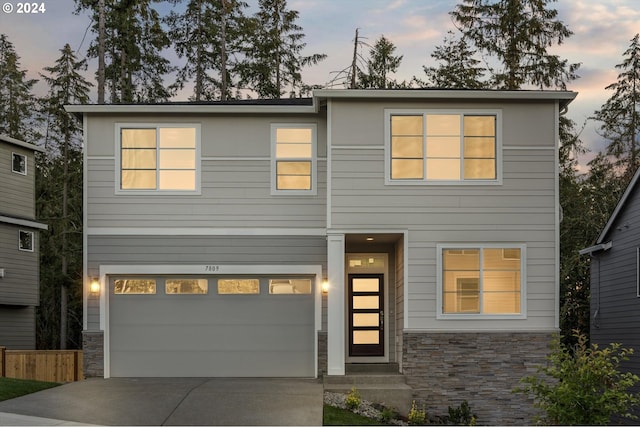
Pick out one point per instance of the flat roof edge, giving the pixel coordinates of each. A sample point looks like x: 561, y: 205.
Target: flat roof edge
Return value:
x: 446, y: 93
x: 192, y: 109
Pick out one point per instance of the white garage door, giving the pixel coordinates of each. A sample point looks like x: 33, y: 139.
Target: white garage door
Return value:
x: 211, y: 326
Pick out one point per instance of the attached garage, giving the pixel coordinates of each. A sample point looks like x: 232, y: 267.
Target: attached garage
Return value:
x: 212, y: 326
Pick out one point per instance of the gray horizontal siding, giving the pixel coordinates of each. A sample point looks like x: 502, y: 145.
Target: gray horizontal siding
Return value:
x: 17, y: 327
x: 235, y: 193
x: 614, y: 286
x: 520, y: 210
x: 176, y: 250
x: 17, y: 192
x: 19, y: 286
x: 225, y: 135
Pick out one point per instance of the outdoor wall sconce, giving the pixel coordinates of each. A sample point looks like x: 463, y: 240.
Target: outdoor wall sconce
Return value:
x: 325, y: 286
x: 94, y: 286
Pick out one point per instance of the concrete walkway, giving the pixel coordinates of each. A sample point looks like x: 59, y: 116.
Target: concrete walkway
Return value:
x: 171, y: 401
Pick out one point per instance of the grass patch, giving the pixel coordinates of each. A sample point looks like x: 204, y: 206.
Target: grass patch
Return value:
x: 12, y: 387
x: 333, y: 416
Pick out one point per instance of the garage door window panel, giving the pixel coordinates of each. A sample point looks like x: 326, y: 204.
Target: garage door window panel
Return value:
x: 238, y: 286
x: 290, y: 286
x: 186, y: 286
x: 134, y: 287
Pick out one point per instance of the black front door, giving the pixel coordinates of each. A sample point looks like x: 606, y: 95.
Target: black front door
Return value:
x: 366, y: 315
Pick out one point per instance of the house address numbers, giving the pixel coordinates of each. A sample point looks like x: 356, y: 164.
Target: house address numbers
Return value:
x: 211, y: 268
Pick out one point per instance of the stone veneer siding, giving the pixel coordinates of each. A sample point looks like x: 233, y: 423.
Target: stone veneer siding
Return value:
x: 322, y: 354
x: 445, y: 369
x: 93, y: 353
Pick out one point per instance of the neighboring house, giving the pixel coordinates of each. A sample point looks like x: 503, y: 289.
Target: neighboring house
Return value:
x: 432, y: 215
x: 19, y: 253
x: 615, y: 278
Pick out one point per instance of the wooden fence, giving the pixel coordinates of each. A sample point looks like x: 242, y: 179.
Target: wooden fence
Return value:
x: 41, y: 365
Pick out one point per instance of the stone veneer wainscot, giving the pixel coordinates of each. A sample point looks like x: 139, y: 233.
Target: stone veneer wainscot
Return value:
x: 93, y: 353
x: 445, y: 369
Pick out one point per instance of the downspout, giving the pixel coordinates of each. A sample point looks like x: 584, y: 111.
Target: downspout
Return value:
x: 597, y: 311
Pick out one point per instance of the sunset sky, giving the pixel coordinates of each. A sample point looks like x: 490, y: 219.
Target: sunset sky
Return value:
x: 602, y: 32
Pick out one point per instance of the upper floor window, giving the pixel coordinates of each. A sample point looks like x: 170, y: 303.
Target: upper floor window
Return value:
x: 159, y: 158
x: 293, y: 159
x: 437, y: 147
x: 481, y: 280
x: 25, y: 240
x: 19, y: 163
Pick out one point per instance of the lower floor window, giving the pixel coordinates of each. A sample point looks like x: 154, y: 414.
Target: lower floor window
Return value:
x: 482, y: 280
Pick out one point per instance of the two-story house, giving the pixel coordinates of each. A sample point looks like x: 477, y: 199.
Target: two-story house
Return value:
x: 416, y: 228
x: 19, y: 254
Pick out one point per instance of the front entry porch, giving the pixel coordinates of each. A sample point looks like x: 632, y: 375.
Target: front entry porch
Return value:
x: 365, y: 311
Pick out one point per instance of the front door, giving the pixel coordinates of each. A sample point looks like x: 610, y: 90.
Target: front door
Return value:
x: 366, y: 315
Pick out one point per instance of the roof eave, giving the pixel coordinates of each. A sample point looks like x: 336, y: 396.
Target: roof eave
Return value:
x: 619, y: 206
x: 565, y: 97
x: 13, y: 141
x: 191, y: 109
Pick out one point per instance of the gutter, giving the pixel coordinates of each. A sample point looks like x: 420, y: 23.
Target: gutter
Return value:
x: 596, y: 248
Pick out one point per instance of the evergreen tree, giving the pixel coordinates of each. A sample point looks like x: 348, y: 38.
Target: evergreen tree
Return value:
x: 458, y: 69
x: 620, y: 114
x: 209, y: 35
x: 273, y: 54
x: 17, y: 102
x: 380, y: 65
x: 516, y: 34
x: 135, y: 69
x: 59, y: 203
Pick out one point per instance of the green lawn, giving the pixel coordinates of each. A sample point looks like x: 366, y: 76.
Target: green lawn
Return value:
x: 11, y: 387
x: 333, y: 416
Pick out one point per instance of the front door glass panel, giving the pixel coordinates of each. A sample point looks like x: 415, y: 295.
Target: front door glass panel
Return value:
x: 366, y: 315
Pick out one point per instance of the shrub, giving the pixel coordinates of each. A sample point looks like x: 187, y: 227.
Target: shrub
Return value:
x: 417, y: 417
x: 462, y: 416
x: 582, y: 385
x: 353, y: 399
x: 387, y: 414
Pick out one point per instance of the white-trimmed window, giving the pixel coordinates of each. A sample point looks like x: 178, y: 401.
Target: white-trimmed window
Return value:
x: 26, y: 240
x: 293, y: 159
x: 481, y: 280
x: 432, y: 147
x: 19, y: 163
x: 158, y: 158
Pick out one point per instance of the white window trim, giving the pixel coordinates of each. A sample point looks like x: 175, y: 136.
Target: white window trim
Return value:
x: 387, y: 147
x: 26, y: 161
x: 314, y: 160
x: 33, y: 242
x: 440, y: 315
x: 157, y: 192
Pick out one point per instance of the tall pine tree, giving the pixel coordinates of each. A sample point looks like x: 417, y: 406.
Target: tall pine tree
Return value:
x: 17, y: 102
x: 382, y: 63
x: 620, y: 114
x: 515, y: 36
x: 135, y: 68
x: 59, y: 203
x: 458, y: 67
x: 209, y: 36
x: 274, y: 59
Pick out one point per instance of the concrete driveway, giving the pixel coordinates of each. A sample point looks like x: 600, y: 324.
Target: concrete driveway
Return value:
x: 177, y: 401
